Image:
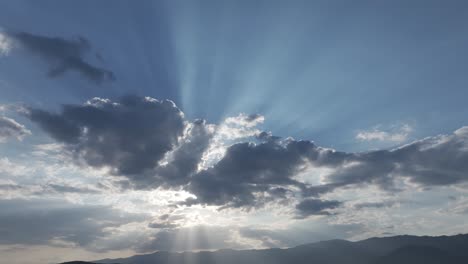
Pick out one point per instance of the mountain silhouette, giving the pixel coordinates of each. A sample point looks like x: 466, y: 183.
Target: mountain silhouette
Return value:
x: 385, y: 250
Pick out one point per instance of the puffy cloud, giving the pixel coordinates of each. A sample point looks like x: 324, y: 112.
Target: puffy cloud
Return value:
x: 9, y: 128
x: 129, y: 136
x: 439, y: 160
x: 248, y: 173
x: 248, y: 170
x: 232, y: 130
x: 310, y: 207
x: 61, y: 54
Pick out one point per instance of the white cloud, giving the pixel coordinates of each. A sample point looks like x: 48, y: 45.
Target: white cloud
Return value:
x: 394, y: 134
x: 229, y: 132
x: 10, y: 128
x: 6, y: 44
x: 8, y: 167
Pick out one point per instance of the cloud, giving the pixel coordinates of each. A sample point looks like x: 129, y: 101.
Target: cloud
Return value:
x: 397, y: 135
x: 5, y: 44
x: 232, y: 130
x: 13, y: 189
x: 162, y: 225
x: 375, y: 204
x: 7, y: 167
x: 191, y: 238
x: 310, y: 207
x: 9, y: 128
x: 184, y: 160
x: 129, y: 136
x: 61, y: 188
x: 249, y: 173
x: 268, y: 238
x: 243, y: 120
x: 151, y: 144
x: 61, y: 54
x: 439, y: 160
x: 39, y: 222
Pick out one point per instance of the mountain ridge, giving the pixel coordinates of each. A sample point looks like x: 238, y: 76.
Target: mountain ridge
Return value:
x: 377, y: 250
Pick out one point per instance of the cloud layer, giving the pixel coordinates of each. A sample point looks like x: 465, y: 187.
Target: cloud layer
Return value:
x: 43, y: 221
x: 150, y: 143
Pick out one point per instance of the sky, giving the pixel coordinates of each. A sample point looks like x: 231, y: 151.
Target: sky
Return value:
x: 129, y: 127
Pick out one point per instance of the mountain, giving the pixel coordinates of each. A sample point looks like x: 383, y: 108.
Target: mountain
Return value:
x: 418, y: 254
x: 78, y: 262
x: 385, y: 250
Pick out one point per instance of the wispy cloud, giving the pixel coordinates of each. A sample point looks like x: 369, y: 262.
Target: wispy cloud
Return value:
x: 9, y: 128
x: 395, y: 134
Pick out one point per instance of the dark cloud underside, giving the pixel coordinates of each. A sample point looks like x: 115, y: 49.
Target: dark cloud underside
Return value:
x: 129, y: 136
x: 315, y: 207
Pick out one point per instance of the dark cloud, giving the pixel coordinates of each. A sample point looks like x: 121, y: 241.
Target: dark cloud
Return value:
x: 9, y: 128
x: 433, y: 161
x: 317, y: 190
x: 374, y: 205
x: 164, y: 217
x: 37, y: 222
x: 310, y: 207
x: 248, y: 171
x: 129, y: 136
x: 266, y: 136
x: 63, y: 55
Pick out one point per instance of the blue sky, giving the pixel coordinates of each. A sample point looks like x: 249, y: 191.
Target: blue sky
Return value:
x: 317, y: 70
x: 365, y: 84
